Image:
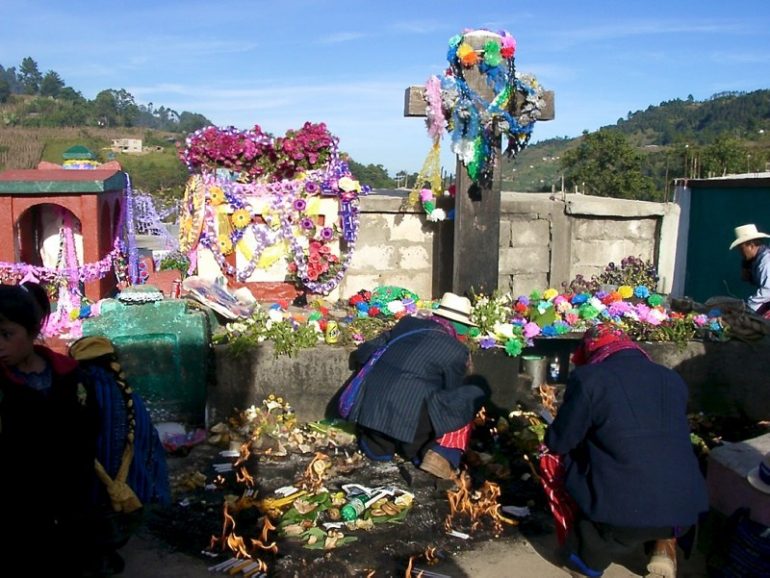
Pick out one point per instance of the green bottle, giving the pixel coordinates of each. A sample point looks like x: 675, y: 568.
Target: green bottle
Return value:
x: 354, y: 507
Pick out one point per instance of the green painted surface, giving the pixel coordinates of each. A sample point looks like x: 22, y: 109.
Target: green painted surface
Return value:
x: 117, y: 182
x: 78, y: 152
x: 713, y: 269
x: 164, y: 350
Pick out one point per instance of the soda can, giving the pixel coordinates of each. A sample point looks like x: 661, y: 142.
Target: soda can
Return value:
x: 332, y: 332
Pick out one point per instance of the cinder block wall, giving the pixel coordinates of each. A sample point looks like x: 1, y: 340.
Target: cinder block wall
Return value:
x: 545, y: 241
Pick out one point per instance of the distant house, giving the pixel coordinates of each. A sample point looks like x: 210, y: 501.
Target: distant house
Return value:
x: 127, y: 145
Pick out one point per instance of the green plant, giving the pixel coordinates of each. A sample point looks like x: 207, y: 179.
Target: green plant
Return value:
x: 175, y: 261
x: 633, y: 271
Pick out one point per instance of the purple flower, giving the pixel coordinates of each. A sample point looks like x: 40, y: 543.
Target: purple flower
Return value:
x: 311, y: 187
x: 327, y: 233
x: 300, y: 205
x: 487, y: 342
x: 307, y: 223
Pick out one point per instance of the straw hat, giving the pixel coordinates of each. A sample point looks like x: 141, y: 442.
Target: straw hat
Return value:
x: 747, y: 233
x: 759, y: 477
x: 455, y: 308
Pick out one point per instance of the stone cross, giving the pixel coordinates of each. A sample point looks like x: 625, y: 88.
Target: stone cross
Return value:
x: 475, y: 247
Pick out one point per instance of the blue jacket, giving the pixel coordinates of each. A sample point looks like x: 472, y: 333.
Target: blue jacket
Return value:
x: 760, y: 278
x: 623, y: 425
x: 427, y: 367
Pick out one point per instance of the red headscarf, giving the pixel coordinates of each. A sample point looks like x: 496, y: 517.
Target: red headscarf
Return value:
x: 601, y: 341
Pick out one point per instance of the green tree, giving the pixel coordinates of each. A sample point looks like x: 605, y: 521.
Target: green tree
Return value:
x: 376, y: 176
x: 5, y: 89
x: 30, y: 76
x: 725, y: 155
x: 51, y: 84
x: 606, y: 165
x: 190, y: 122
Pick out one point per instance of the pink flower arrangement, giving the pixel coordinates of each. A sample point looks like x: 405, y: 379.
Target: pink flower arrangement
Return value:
x: 254, y: 154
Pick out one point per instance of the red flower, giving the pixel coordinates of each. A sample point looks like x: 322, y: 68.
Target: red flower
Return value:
x: 374, y: 311
x: 356, y: 299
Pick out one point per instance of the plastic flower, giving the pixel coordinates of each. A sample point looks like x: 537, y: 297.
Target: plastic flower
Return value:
x: 311, y: 187
x: 507, y: 46
x: 626, y: 291
x: 503, y: 330
x: 437, y: 215
x: 513, y: 347
x: 467, y: 55
x: 349, y: 185
x: 307, y: 223
x: 700, y: 320
x: 216, y: 196
x: 641, y: 292
x: 225, y: 244
x: 531, y: 329
x: 487, y: 342
x: 580, y: 298
x: 327, y: 233
x: 241, y: 218
x: 549, y: 294
x: 299, y: 205
x: 492, y: 56
x: 655, y: 299
x: 426, y: 195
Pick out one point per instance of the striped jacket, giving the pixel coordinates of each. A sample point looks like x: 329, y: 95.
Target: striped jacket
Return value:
x: 427, y: 367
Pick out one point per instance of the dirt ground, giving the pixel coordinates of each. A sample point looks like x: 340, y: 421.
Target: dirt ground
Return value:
x: 174, y: 541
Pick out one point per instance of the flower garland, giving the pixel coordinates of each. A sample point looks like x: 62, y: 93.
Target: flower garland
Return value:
x: 69, y: 275
x: 218, y: 209
x: 473, y: 122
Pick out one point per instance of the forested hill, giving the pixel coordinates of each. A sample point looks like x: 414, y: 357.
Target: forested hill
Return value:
x: 733, y: 114
x: 727, y: 133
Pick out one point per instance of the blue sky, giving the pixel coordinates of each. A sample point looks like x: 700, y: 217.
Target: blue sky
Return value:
x: 347, y: 63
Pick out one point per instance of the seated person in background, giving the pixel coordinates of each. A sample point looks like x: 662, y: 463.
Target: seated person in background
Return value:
x: 755, y: 267
x: 630, y: 466
x: 415, y: 400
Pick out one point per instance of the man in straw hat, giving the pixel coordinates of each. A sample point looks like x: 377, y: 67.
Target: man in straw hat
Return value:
x: 756, y: 265
x: 415, y: 399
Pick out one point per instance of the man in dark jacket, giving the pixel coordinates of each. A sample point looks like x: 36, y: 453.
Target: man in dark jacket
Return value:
x: 630, y: 466
x: 415, y: 401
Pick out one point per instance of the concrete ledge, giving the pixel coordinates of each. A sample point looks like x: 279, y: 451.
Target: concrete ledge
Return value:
x: 311, y: 381
x: 728, y: 466
x: 724, y: 378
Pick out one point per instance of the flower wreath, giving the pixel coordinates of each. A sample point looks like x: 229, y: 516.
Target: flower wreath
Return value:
x: 473, y: 122
x: 286, y: 177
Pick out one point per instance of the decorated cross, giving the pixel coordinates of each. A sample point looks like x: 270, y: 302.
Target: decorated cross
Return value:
x: 480, y: 99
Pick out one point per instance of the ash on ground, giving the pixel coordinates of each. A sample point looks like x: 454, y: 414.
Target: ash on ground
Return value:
x: 388, y: 548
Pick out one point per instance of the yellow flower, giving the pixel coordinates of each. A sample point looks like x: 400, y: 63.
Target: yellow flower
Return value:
x: 549, y: 294
x: 216, y: 195
x: 467, y: 55
x: 241, y: 218
x: 225, y: 244
x: 626, y: 291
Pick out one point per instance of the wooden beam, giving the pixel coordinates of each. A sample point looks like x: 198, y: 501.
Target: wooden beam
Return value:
x: 414, y: 103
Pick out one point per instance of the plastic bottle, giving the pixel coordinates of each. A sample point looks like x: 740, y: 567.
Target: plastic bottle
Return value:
x: 358, y: 504
x: 554, y: 370
x: 354, y: 507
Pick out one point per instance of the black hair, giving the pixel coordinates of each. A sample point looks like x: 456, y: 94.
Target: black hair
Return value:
x: 26, y: 304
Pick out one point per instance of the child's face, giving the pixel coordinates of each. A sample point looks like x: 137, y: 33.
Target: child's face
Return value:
x: 16, y: 344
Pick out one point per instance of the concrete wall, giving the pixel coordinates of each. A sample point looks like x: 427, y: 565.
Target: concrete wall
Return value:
x: 727, y: 378
x: 545, y: 240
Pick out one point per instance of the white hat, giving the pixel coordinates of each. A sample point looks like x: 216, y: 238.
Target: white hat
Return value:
x: 747, y: 233
x: 455, y: 308
x: 759, y: 477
